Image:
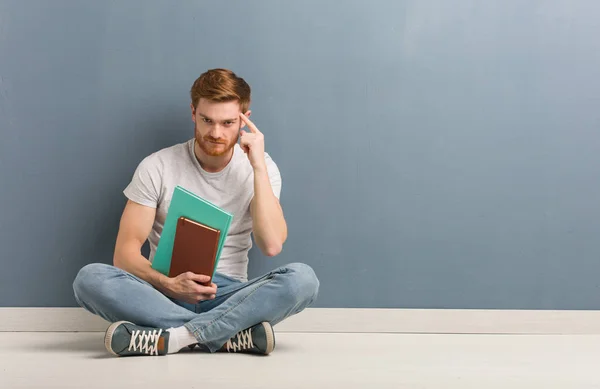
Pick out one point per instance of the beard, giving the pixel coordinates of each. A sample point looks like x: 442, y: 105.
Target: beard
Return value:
x: 215, y: 147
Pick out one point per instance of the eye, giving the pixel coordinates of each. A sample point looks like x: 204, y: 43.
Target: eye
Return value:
x: 206, y: 120
x: 228, y: 123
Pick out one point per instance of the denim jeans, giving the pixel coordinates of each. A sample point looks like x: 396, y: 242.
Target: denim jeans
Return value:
x: 115, y: 295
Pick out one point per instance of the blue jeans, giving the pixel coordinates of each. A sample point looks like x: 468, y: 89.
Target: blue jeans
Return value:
x: 115, y: 295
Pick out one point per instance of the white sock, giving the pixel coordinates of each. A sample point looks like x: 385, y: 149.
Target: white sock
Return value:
x: 179, y: 338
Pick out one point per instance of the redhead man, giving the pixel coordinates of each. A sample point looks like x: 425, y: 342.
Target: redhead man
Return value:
x: 225, y: 163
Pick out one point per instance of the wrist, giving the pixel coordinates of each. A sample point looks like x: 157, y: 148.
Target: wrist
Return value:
x: 260, y: 169
x: 165, y: 283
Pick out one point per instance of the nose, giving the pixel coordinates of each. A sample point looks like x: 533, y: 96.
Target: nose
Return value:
x: 215, y: 131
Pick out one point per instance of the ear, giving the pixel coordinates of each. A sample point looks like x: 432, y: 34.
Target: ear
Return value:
x: 193, y: 112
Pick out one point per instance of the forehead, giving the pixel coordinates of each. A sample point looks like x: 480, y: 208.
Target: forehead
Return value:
x: 219, y: 110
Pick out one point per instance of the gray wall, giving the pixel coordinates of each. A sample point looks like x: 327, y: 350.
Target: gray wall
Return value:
x: 435, y: 154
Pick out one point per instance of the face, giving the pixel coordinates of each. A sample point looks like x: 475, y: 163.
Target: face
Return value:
x: 217, y: 126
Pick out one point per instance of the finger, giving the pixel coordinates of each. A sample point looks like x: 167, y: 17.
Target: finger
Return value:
x: 200, y: 278
x: 203, y: 297
x: 202, y: 289
x: 247, y: 137
x: 251, y: 125
x: 245, y: 143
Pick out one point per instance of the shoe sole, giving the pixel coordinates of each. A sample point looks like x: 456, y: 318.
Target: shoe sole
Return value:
x: 270, y: 337
x: 109, y: 334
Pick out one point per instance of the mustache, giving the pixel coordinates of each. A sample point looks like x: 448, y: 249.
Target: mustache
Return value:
x: 215, y: 140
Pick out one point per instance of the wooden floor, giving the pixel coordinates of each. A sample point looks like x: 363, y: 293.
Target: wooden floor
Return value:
x: 312, y: 360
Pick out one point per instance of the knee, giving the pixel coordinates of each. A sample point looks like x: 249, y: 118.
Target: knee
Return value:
x: 89, y: 281
x: 302, y: 282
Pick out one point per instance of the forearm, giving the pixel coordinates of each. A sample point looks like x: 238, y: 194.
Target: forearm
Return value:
x: 269, y: 226
x: 132, y: 261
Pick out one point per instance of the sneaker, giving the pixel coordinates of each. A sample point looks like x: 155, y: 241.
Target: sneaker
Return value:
x: 259, y: 339
x: 126, y: 339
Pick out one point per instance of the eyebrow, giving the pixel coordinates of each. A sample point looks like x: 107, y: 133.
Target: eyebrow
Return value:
x: 225, y: 120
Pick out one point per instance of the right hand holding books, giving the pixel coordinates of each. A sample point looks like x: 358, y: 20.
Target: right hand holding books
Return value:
x: 191, y: 288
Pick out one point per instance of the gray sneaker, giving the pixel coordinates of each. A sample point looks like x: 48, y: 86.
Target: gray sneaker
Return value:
x: 258, y: 339
x: 126, y: 339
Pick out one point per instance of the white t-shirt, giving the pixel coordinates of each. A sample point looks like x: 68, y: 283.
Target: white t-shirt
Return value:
x: 231, y: 189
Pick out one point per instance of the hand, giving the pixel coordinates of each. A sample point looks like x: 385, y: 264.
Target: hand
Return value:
x: 187, y: 287
x: 253, y: 144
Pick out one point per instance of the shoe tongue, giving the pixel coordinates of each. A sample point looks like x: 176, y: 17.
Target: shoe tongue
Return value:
x: 161, y: 344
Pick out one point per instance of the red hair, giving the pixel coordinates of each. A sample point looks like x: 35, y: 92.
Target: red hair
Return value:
x: 221, y: 85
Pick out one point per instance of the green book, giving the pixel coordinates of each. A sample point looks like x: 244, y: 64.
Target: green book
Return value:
x: 186, y: 203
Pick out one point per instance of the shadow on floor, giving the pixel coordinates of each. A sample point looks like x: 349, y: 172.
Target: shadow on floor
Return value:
x: 91, y: 345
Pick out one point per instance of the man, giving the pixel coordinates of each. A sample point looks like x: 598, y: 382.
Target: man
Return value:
x: 153, y: 314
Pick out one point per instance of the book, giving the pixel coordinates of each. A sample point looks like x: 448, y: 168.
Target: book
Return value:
x: 194, y: 249
x: 187, y: 204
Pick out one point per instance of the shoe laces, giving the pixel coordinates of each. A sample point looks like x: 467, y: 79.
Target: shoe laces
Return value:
x: 145, y: 341
x: 240, y: 342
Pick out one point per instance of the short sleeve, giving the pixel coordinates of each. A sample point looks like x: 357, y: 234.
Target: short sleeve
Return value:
x: 145, y: 184
x: 274, y: 175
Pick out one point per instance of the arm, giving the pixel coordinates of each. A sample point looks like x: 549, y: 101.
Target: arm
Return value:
x: 268, y: 222
x: 136, y: 224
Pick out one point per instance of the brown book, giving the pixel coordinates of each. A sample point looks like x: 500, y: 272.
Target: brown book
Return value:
x: 194, y: 249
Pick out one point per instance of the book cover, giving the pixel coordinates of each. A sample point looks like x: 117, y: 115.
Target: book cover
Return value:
x: 187, y: 204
